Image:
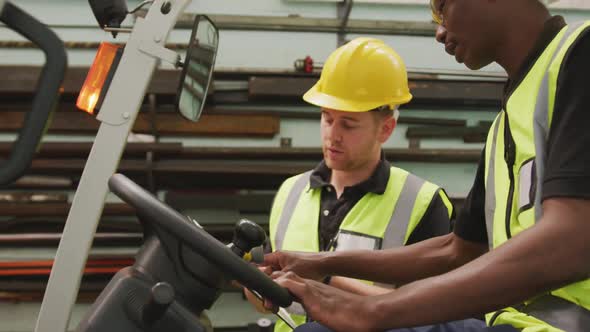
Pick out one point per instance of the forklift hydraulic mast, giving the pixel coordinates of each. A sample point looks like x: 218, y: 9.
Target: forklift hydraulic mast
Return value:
x: 119, y: 110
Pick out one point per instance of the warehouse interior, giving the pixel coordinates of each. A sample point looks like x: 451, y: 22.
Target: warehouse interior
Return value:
x: 254, y: 132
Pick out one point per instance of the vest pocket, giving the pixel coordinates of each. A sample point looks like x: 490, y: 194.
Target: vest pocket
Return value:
x: 347, y: 240
x: 526, y: 185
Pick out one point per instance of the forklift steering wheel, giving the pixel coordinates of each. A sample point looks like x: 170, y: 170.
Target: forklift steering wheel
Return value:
x: 215, y: 252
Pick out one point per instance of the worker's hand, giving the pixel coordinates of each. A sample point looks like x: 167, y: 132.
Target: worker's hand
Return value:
x: 332, y: 307
x: 257, y: 303
x: 307, y: 265
x: 253, y: 299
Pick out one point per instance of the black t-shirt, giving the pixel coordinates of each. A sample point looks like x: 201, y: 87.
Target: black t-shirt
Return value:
x: 333, y: 210
x: 568, y: 145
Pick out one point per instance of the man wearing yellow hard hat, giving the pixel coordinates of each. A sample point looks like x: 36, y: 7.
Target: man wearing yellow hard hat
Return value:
x: 520, y: 247
x: 354, y: 199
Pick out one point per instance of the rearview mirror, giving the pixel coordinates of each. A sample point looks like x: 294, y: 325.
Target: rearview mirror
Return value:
x: 198, y: 68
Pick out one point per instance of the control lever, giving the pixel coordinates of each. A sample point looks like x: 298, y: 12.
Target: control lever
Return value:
x: 249, y: 235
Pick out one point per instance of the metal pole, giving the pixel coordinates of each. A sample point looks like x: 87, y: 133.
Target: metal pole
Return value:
x: 344, y: 9
x: 119, y: 110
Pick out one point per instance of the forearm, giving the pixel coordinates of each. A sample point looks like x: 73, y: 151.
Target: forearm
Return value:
x: 533, y: 262
x: 357, y: 287
x: 406, y: 264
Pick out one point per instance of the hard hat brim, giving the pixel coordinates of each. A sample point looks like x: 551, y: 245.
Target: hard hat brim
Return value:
x: 314, y: 97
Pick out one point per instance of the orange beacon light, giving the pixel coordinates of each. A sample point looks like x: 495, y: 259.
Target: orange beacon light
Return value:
x: 101, y: 71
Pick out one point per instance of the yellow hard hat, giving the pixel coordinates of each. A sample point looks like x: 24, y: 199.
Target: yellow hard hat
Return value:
x: 360, y: 76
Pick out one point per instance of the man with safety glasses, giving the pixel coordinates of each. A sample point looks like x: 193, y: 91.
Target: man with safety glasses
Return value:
x: 519, y: 251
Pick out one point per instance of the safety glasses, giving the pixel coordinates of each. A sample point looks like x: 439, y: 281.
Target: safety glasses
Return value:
x: 436, y: 14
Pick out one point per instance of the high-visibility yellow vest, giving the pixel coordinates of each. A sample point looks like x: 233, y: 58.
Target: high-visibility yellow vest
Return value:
x: 375, y: 222
x: 514, y: 186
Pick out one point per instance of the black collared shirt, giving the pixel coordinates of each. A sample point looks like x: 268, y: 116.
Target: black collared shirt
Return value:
x: 568, y: 152
x: 333, y: 210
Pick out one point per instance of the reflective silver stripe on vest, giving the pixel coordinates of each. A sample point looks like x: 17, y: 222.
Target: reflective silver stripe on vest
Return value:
x: 395, y: 233
x: 553, y: 310
x: 559, y: 313
x: 289, y: 208
x: 541, y: 132
x: 541, y: 124
x: 490, y: 200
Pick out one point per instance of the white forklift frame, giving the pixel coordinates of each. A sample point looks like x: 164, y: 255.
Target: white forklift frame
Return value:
x: 144, y: 49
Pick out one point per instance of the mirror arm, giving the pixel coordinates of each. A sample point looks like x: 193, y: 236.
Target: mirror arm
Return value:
x: 160, y: 52
x: 140, y: 6
x: 117, y: 30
